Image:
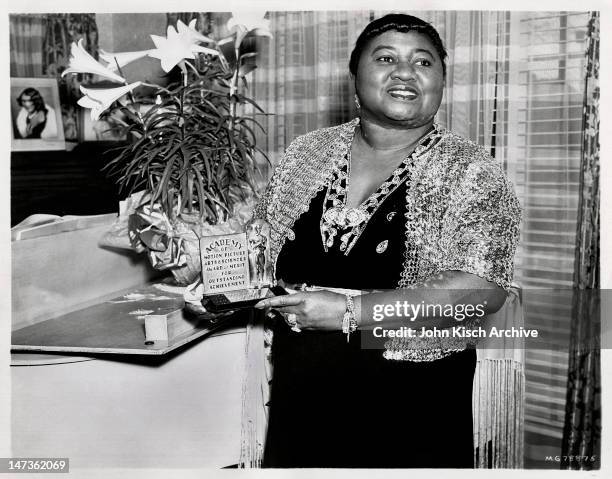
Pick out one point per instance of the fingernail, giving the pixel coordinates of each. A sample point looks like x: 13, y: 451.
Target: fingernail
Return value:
x: 260, y: 305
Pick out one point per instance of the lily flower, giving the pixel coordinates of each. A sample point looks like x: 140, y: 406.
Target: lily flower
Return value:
x: 176, y: 47
x: 246, y: 21
x: 99, y: 100
x: 83, y: 62
x: 191, y: 32
x: 122, y: 58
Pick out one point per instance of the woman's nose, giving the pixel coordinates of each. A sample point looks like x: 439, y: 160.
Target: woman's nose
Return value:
x: 403, y: 71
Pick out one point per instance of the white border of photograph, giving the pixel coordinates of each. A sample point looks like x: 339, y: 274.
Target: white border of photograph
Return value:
x: 52, y: 100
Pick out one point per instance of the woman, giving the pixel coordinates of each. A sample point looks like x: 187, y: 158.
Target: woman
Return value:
x: 36, y: 119
x: 387, y: 201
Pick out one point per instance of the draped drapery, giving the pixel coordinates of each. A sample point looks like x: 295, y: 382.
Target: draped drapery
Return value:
x: 581, y: 434
x: 302, y: 75
x: 475, y: 44
x: 61, y: 30
x: 26, y: 51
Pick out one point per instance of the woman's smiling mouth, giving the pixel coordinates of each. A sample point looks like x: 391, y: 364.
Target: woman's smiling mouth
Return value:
x: 403, y: 92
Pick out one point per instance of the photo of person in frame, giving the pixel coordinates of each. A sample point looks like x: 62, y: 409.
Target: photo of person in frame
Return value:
x: 36, y: 119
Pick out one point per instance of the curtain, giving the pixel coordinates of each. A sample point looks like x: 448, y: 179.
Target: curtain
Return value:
x: 26, y: 45
x: 582, y: 430
x: 61, y: 29
x: 473, y: 39
x: 541, y: 113
x: 302, y: 75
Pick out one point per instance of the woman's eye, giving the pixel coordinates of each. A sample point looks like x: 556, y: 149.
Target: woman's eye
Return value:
x: 423, y: 62
x: 385, y: 59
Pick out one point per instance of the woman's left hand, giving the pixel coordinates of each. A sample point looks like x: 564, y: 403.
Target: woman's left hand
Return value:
x: 320, y: 310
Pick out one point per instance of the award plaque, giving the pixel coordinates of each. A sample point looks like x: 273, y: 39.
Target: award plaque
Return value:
x: 236, y: 268
x: 224, y: 263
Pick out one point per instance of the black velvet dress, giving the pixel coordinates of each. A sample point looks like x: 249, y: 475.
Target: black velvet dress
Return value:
x: 334, y: 404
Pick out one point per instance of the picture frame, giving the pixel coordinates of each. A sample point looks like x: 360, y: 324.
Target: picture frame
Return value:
x: 36, y: 115
x: 99, y: 130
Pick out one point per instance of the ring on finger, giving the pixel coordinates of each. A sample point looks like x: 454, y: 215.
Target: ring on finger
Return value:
x: 291, y: 319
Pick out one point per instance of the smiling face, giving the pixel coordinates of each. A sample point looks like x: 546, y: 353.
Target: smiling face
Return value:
x: 400, y: 79
x: 28, y: 103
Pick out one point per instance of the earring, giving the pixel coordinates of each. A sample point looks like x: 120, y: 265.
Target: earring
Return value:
x: 436, y: 123
x: 357, y: 104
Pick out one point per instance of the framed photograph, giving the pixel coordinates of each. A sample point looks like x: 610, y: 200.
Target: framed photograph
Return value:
x: 36, y: 115
x: 100, y: 130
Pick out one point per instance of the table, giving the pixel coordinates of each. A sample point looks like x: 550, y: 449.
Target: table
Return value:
x: 180, y: 411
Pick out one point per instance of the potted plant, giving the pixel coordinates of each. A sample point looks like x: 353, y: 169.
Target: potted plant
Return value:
x: 191, y: 147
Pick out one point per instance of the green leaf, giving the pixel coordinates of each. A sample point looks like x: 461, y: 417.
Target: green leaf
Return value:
x: 201, y: 197
x: 162, y: 188
x: 254, y: 121
x: 244, y: 99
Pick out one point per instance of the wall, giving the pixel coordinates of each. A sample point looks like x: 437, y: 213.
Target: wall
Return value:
x: 125, y: 32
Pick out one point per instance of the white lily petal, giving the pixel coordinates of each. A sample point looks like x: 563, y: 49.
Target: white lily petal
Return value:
x: 169, y: 57
x: 93, y: 105
x: 250, y: 20
x: 176, y: 47
x: 262, y: 32
x: 83, y: 62
x: 99, y: 100
x: 191, y: 32
x: 122, y: 58
x: 158, y: 41
x: 87, y: 102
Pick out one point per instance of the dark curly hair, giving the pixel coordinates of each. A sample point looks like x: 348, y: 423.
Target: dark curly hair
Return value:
x: 35, y: 96
x: 401, y: 23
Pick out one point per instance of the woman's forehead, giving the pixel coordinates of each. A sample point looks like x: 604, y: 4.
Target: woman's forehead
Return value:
x: 411, y: 40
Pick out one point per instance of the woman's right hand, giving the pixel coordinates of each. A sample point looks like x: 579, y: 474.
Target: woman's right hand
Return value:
x: 315, y: 310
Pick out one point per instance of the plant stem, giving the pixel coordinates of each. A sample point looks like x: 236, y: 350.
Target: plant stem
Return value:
x: 234, y: 87
x: 130, y: 96
x: 182, y: 100
x: 151, y: 85
x: 182, y: 118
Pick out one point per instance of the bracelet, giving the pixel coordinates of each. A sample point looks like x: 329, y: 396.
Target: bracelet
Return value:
x: 349, y: 322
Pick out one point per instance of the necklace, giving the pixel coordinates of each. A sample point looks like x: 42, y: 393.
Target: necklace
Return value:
x: 349, y: 223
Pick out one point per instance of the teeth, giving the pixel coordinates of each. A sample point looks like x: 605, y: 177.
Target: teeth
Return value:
x: 402, y: 93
